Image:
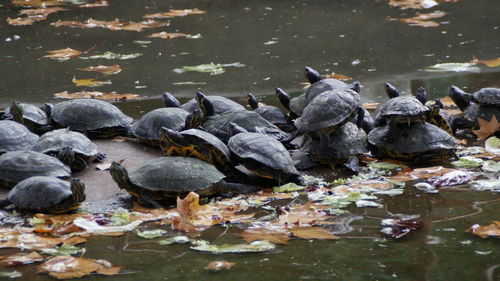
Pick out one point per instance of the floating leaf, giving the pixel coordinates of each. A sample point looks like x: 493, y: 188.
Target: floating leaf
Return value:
x: 63, y: 54
x: 112, y: 56
x: 93, y: 227
x: 491, y: 166
x: 273, y: 234
x: 150, y: 234
x: 452, y: 67
x: 219, y: 265
x: 167, y: 36
x: 489, y: 63
x: 175, y: 239
x: 371, y: 105
x: 175, y: 13
x: 212, y: 68
x: 106, y: 70
x: 423, y: 20
x: 11, y: 274
x: 97, y: 95
x: 66, y: 267
x: 21, y: 259
x: 99, y: 3
x: 492, y: 230
x: 63, y: 250
x: 37, y: 3
x: 493, y: 185
x: 487, y: 128
x: 121, y: 216
x: 289, y: 187
x: 112, y: 25
x: 313, y: 233
x: 467, y: 162
x: 338, y: 76
x: 254, y: 247
x: 456, y: 177
x: 384, y: 166
x: 89, y: 82
x: 413, y: 4
x: 21, y: 21
x: 492, y: 145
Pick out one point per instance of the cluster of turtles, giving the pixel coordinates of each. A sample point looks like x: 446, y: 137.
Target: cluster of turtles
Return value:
x: 212, y: 143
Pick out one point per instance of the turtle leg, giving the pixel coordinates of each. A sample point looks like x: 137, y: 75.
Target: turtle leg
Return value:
x: 352, y: 164
x: 4, y: 203
x: 79, y: 164
x: 100, y: 157
x: 146, y: 199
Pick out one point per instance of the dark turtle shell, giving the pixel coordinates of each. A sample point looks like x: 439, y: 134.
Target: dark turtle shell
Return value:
x: 167, y: 177
x: 419, y: 142
x: 211, y: 142
x: 43, y: 194
x: 487, y: 96
x: 219, y: 125
x: 328, y: 110
x: 51, y: 143
x: 476, y: 111
x: 272, y: 114
x: 263, y: 155
x: 34, y: 117
x: 321, y: 86
x: 297, y: 104
x: 93, y: 117
x: 402, y: 110
x: 16, y: 166
x: 221, y: 105
x: 14, y: 136
x: 147, y: 128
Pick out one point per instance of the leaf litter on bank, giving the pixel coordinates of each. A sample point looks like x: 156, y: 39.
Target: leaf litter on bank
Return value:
x: 97, y: 95
x: 21, y: 259
x: 487, y: 128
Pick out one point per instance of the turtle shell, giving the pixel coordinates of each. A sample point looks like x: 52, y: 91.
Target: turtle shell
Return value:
x: 419, y: 142
x: 16, y: 166
x: 91, y: 116
x: 219, y: 125
x: 321, y: 86
x: 39, y: 193
x: 176, y: 175
x: 221, y: 105
x: 263, y: 149
x: 297, y: 104
x: 329, y: 109
x: 349, y: 140
x: 32, y: 114
x: 147, y: 128
x: 403, y: 106
x: 197, y: 136
x: 485, y: 112
x: 52, y: 142
x: 15, y: 136
x: 487, y: 96
x: 272, y: 114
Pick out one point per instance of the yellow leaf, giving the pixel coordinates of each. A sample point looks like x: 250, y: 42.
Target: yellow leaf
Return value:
x: 273, y: 234
x: 106, y: 70
x: 489, y: 63
x: 486, y: 231
x: 371, y: 105
x: 313, y: 233
x: 63, y: 54
x: 486, y: 128
x: 91, y: 82
x: 219, y: 265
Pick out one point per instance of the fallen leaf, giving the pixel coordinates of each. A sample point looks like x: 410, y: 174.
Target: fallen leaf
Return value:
x: 423, y: 20
x: 63, y: 54
x: 167, y: 36
x: 97, y: 95
x: 112, y: 56
x: 20, y: 21
x: 452, y: 67
x: 313, y: 233
x: 99, y: 3
x: 254, y: 247
x: 90, y: 82
x: 489, y: 63
x: 487, y: 128
x: 21, y: 259
x: 338, y: 76
x: 150, y: 234
x: 112, y: 25
x: 467, y: 162
x: 273, y: 234
x: 492, y: 230
x: 106, y: 70
x: 63, y: 250
x: 90, y: 226
x: 371, y: 105
x: 412, y: 4
x: 289, y: 187
x: 37, y: 3
x: 175, y: 13
x: 66, y: 267
x: 119, y: 139
x: 492, y: 145
x: 219, y: 265
x: 429, y: 172
x: 175, y: 239
x: 41, y: 12
x: 307, y: 214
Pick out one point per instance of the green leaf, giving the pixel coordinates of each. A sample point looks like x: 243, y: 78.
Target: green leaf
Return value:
x: 254, y: 247
x: 491, y: 166
x: 338, y: 181
x: 453, y: 67
x: 492, y: 145
x: 383, y: 166
x: 121, y: 217
x: 10, y: 274
x: 289, y: 187
x: 175, y: 239
x: 63, y: 250
x: 112, y: 56
x: 467, y: 162
x: 150, y: 234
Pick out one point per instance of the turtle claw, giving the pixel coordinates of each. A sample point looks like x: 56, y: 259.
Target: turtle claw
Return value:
x: 100, y: 157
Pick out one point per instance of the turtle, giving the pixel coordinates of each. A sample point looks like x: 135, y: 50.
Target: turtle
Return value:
x: 402, y: 109
x: 436, y: 115
x: 42, y: 194
x: 147, y: 128
x: 220, y: 104
x: 321, y: 86
x: 15, y: 136
x: 30, y: 115
x: 166, y: 178
x: 219, y: 124
x: 196, y: 143
x: 170, y: 101
x: 263, y: 155
x: 295, y: 105
x: 418, y: 143
x: 73, y: 148
x: 16, y: 166
x: 95, y: 118
x: 271, y: 113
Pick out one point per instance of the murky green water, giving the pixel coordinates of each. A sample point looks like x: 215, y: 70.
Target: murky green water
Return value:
x: 275, y: 39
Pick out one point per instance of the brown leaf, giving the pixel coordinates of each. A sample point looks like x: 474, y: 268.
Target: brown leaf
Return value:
x: 219, y: 265
x: 313, y: 233
x: 37, y: 3
x: 25, y: 238
x: 273, y: 234
x: 308, y: 214
x: 423, y: 20
x: 486, y: 128
x: 338, y: 76
x: 106, y: 70
x: 371, y: 105
x: 106, y: 166
x: 112, y: 25
x: 20, y: 259
x: 407, y: 4
x: 378, y: 184
x: 489, y: 63
x: 486, y: 231
x: 119, y: 139
x: 97, y: 95
x: 66, y: 267
x: 429, y: 172
x: 175, y: 13
x: 22, y: 21
x: 41, y: 11
x: 63, y: 54
x: 167, y: 36
x: 99, y: 3
x: 90, y: 82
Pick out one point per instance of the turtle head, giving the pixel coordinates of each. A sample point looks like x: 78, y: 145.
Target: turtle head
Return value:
x: 206, y: 106
x: 421, y: 95
x: 170, y: 101
x: 194, y: 119
x: 66, y: 155
x: 390, y: 90
x: 78, y: 190
x: 17, y: 112
x: 119, y: 175
x: 235, y: 129
x: 170, y: 138
x: 252, y: 101
x: 459, y: 97
x: 439, y: 103
x: 283, y: 97
x: 48, y: 109
x: 355, y: 86
x: 311, y: 74
x: 433, y: 107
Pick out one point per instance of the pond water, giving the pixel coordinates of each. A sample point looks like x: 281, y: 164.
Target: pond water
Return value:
x: 275, y: 40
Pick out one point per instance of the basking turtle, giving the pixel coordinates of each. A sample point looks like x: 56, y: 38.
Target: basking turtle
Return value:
x: 16, y: 166
x: 220, y: 104
x: 262, y: 155
x: 170, y: 101
x: 73, y: 148
x: 30, y: 115
x: 401, y: 110
x: 219, y: 125
x: 95, y: 118
x: 270, y: 113
x: 321, y: 86
x: 294, y: 106
x: 196, y: 143
x: 168, y: 177
x: 15, y: 136
x: 417, y: 143
x: 146, y: 129
x: 436, y: 115
x: 43, y: 194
